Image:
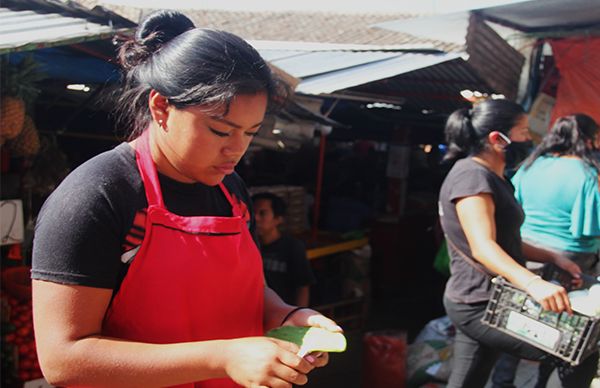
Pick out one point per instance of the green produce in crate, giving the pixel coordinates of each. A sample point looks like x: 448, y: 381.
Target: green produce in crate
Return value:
x: 310, y: 339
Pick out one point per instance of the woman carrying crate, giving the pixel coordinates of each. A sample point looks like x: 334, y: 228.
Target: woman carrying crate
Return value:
x: 481, y: 220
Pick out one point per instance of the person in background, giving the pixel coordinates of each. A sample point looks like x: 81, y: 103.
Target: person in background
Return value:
x: 481, y: 220
x: 145, y: 272
x: 287, y: 270
x: 557, y: 186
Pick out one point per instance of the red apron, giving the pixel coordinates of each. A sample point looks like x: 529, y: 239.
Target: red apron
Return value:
x: 193, y: 279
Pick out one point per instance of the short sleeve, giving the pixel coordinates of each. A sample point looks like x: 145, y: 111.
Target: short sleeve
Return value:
x: 469, y: 183
x: 585, y: 214
x: 77, y: 238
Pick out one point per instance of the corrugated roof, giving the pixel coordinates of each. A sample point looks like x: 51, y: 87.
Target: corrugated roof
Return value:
x: 434, y: 87
x: 369, y: 72
x: 534, y: 16
x: 325, y: 69
x: 298, y: 26
x: 28, y: 30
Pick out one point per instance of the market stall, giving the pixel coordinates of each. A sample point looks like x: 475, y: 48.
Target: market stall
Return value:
x: 55, y: 60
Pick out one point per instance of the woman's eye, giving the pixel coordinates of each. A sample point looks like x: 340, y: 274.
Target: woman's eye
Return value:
x: 218, y: 133
x: 252, y: 134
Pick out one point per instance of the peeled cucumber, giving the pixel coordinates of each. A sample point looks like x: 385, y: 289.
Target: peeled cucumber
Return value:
x: 310, y: 339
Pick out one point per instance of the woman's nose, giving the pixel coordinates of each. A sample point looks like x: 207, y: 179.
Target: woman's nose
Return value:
x: 237, y: 144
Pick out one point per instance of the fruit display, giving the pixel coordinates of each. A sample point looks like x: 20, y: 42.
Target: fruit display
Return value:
x: 12, y: 117
x: 310, y: 339
x: 27, y: 143
x: 18, y: 93
x: 19, y: 357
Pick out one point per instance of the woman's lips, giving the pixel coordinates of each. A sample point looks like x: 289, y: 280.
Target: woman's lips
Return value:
x: 226, y: 168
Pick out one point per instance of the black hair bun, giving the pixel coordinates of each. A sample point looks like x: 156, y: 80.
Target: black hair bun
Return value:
x: 157, y: 29
x: 161, y: 26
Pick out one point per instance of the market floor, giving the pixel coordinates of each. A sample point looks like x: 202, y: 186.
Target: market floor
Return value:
x: 345, y: 370
x: 394, y: 313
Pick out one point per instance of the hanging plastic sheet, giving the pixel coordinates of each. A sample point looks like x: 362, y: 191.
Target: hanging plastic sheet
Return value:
x: 578, y: 60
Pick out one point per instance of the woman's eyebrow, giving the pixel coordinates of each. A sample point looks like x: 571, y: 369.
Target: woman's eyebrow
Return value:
x: 232, y: 124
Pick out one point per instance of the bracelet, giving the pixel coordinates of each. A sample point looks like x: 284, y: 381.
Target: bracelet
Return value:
x: 292, y: 312
x: 533, y: 279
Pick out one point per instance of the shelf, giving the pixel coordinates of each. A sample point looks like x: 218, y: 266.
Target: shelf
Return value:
x: 330, y: 249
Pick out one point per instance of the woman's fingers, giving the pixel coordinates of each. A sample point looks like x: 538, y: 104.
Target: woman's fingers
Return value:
x: 291, y: 359
x: 318, y: 359
x: 324, y: 323
x: 566, y: 302
x: 551, y: 296
x: 290, y: 375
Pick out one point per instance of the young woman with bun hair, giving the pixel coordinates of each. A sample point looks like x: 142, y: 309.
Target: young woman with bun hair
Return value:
x: 481, y: 220
x: 145, y: 269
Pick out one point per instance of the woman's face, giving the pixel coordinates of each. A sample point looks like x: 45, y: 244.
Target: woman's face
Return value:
x: 520, y: 131
x: 200, y: 146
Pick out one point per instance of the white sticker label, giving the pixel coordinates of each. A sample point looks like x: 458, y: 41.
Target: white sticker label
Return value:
x: 530, y: 328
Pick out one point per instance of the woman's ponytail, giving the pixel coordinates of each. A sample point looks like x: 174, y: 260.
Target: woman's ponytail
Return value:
x: 460, y: 135
x: 467, y: 129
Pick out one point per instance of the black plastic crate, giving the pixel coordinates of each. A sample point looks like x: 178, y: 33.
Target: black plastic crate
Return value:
x: 569, y: 337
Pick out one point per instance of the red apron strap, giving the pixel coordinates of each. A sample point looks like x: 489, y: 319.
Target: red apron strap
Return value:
x: 148, y: 170
x: 226, y: 192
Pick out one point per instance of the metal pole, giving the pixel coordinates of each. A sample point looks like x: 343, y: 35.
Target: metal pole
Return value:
x: 317, y: 204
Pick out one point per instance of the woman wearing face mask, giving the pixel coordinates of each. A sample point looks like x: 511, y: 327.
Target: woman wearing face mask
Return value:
x: 145, y: 269
x: 481, y: 220
x: 518, y: 150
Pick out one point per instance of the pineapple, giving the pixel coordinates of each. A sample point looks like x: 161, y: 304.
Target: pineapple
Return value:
x: 12, y: 117
x: 18, y: 94
x: 27, y: 144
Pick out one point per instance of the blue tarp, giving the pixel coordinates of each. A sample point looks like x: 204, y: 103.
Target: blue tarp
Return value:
x: 68, y: 65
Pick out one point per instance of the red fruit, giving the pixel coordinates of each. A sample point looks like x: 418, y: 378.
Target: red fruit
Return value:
x: 23, y: 349
x: 24, y: 331
x: 26, y: 364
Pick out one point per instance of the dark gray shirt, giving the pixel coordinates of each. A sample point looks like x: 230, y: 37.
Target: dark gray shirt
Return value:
x: 89, y: 222
x: 468, y: 284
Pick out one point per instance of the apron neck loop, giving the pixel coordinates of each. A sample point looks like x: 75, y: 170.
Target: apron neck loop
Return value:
x: 148, y: 170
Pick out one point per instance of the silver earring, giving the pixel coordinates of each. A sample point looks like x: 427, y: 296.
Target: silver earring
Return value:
x: 161, y: 123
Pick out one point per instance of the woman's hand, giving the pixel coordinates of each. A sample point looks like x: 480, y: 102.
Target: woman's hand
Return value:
x: 551, y: 296
x: 571, y: 267
x: 309, y: 317
x: 258, y: 362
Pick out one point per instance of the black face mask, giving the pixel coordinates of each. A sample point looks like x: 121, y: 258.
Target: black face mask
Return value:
x: 516, y: 152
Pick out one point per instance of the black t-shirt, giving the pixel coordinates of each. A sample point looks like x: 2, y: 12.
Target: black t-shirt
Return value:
x: 468, y: 178
x: 286, y: 267
x: 89, y: 228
